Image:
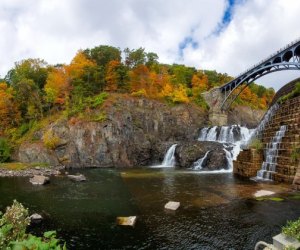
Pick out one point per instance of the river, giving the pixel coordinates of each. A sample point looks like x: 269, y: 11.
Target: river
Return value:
x: 218, y: 211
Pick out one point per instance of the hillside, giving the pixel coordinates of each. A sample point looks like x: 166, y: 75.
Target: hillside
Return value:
x: 34, y: 91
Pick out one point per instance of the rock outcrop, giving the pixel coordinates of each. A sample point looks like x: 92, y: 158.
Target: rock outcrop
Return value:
x: 136, y: 132
x: 245, y: 116
x: 189, y: 152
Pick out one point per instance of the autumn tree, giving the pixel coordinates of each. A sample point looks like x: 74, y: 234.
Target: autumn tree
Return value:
x: 29, y: 98
x: 139, y: 78
x: 9, y: 113
x: 57, y: 87
x: 116, y: 77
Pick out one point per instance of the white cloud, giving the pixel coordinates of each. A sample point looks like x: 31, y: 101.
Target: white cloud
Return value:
x: 258, y: 28
x: 54, y: 30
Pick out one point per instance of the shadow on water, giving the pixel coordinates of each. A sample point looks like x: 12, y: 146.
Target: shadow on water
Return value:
x: 217, y: 211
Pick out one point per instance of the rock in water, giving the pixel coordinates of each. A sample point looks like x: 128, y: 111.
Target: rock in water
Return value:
x: 126, y: 221
x: 262, y: 193
x: 78, y: 177
x: 172, y: 205
x: 35, y: 218
x: 39, y: 180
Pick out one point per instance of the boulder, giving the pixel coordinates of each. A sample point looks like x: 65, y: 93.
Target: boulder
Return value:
x: 216, y: 160
x: 35, y: 218
x: 127, y: 221
x: 39, y: 180
x: 78, y: 177
x: 188, y: 152
x: 172, y: 205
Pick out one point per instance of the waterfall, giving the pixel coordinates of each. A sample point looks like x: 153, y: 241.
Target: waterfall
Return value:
x: 225, y: 134
x: 232, y: 137
x: 169, y: 159
x: 198, y: 164
x: 268, y: 167
x: 261, y: 126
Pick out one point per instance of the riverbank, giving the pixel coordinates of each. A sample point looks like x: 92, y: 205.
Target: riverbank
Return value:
x: 17, y: 169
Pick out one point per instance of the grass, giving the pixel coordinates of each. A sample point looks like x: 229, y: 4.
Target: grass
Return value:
x: 17, y: 166
x: 270, y: 199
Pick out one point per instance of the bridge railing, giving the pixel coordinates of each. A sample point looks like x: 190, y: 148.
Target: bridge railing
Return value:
x: 269, y: 57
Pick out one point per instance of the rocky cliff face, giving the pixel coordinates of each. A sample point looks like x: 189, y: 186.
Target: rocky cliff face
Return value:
x: 136, y: 132
x: 245, y: 116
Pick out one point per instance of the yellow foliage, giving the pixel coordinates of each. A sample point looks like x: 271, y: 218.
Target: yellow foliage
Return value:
x: 50, y: 140
x: 79, y: 64
x: 179, y: 95
x: 139, y: 93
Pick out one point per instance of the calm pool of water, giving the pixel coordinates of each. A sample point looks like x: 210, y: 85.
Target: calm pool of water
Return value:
x: 217, y: 211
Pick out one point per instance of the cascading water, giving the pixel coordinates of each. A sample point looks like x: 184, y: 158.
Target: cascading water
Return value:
x: 269, y: 166
x: 198, y: 164
x: 169, y: 159
x: 261, y: 126
x: 231, y: 136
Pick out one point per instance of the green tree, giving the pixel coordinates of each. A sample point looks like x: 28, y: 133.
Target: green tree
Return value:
x: 32, y: 69
x: 135, y: 57
x: 103, y: 54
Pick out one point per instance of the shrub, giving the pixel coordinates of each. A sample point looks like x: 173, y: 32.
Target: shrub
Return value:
x: 12, y: 232
x: 256, y: 144
x: 99, y: 118
x: 98, y: 100
x: 5, y: 150
x: 295, y: 155
x: 292, y: 229
x: 139, y: 93
x: 50, y: 140
x: 13, y: 224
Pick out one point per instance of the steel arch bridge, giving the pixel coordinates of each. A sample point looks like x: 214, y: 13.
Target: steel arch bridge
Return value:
x: 287, y: 58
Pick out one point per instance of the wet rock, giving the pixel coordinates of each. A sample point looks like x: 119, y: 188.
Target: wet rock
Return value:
x: 262, y: 193
x: 39, y: 180
x: 189, y: 152
x: 35, y: 218
x: 127, y: 221
x: 172, y: 205
x: 78, y: 177
x: 216, y: 160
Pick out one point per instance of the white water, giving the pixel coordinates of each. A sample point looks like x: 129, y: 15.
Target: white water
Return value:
x: 268, y: 167
x: 261, y: 126
x: 225, y: 135
x: 198, y: 164
x: 169, y: 160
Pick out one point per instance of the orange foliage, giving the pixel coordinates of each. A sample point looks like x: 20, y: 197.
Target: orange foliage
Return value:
x: 78, y: 65
x: 139, y: 78
x: 112, y: 77
x: 57, y: 87
x: 9, y: 113
x: 200, y: 83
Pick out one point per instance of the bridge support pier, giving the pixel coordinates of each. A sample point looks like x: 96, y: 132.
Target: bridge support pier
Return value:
x: 218, y: 118
x: 214, y: 99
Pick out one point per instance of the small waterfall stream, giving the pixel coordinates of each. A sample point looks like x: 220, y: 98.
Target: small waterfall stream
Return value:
x: 198, y: 164
x: 169, y: 159
x: 269, y: 166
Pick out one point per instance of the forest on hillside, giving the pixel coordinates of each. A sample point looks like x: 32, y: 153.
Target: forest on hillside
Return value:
x: 33, y: 89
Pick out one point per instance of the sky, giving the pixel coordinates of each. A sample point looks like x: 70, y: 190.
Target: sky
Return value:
x: 228, y: 36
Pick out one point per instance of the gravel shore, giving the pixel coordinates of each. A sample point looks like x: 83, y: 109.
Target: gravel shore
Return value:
x: 32, y: 171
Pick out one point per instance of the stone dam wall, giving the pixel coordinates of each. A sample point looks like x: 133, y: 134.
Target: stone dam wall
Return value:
x: 249, y: 161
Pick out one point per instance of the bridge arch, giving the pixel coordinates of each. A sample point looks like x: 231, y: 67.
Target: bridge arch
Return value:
x: 287, y: 58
